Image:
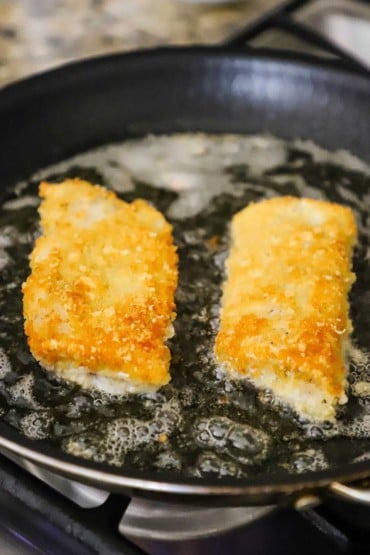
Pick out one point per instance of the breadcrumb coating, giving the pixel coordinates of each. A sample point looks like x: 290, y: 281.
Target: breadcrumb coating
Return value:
x: 285, y: 314
x: 100, y: 296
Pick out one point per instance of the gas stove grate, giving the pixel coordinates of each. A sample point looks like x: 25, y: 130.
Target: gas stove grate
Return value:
x: 93, y: 530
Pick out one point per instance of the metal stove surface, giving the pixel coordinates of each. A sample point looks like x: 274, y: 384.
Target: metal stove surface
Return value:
x: 149, y: 519
x: 48, y: 514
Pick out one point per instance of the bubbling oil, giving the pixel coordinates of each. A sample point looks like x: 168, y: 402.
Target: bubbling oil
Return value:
x: 203, y: 423
x: 5, y: 365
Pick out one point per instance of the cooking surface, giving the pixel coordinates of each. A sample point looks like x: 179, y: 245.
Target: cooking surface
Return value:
x: 201, y: 424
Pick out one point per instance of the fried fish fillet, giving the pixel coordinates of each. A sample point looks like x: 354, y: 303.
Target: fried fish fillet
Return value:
x: 99, y: 302
x: 285, y: 314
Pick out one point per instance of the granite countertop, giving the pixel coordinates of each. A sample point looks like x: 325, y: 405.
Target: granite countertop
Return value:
x: 39, y: 34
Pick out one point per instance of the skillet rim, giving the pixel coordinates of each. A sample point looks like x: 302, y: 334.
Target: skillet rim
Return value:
x: 261, y: 54
x: 165, y: 482
x: 20, y: 91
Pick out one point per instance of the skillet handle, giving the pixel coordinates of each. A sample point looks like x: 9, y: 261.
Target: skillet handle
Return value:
x: 350, y: 493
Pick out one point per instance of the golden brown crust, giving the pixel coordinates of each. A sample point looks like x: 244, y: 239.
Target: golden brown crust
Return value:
x: 285, y: 307
x: 101, y: 291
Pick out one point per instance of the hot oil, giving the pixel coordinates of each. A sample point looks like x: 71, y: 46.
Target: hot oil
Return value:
x: 202, y: 423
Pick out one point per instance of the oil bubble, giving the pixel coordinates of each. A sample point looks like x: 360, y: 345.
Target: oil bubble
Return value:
x: 36, y: 425
x: 5, y: 366
x: 5, y: 259
x: 21, y: 393
x: 363, y: 457
x: 219, y: 428
x: 308, y: 461
x: 240, y: 441
x: 209, y: 463
x: 168, y: 461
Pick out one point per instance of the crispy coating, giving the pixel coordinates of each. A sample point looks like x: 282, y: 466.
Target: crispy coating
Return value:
x: 284, y: 317
x: 100, y: 296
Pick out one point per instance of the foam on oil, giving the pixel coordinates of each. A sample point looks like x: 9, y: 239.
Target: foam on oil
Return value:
x: 5, y: 365
x: 202, y: 423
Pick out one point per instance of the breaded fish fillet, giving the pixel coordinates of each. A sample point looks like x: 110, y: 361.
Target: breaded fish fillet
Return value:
x: 99, y: 302
x: 284, y: 317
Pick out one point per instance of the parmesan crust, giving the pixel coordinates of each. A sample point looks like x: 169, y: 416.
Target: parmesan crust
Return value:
x: 99, y: 302
x: 284, y: 318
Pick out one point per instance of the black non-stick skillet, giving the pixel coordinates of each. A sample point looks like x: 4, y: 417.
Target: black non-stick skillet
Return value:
x: 52, y: 116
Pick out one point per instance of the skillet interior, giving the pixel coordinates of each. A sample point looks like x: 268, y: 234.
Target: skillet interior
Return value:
x: 198, y: 91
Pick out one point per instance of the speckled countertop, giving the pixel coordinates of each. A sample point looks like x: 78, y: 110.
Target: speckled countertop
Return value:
x: 39, y: 34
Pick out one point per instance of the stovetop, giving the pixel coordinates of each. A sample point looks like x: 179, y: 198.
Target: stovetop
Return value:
x: 41, y: 513
x: 36, y: 519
